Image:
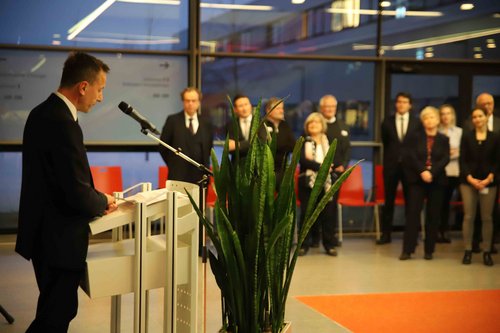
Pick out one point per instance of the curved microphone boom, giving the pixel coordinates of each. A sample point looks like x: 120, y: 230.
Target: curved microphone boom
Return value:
x: 145, y: 124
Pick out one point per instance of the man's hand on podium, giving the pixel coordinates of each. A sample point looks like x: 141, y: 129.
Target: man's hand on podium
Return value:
x: 111, y: 204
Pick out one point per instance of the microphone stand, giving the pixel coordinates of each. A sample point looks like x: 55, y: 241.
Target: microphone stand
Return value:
x: 204, y: 182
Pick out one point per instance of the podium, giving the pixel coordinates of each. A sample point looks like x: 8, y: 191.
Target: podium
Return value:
x: 145, y: 261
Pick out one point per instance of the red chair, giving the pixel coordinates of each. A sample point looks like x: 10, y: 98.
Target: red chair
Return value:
x: 296, y: 176
x: 107, y: 179
x: 352, y: 194
x: 380, y: 189
x: 162, y: 176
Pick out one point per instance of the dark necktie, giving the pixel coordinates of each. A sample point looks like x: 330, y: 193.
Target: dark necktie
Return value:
x: 191, y: 129
x: 402, y: 128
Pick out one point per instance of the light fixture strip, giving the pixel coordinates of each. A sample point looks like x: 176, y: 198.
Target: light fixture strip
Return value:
x: 235, y: 7
x: 85, y: 22
x: 384, y: 12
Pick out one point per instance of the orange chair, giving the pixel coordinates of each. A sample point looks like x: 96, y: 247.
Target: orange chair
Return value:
x: 162, y: 176
x: 107, y: 179
x: 352, y: 194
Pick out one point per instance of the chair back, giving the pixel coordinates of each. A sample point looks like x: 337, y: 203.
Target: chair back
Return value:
x: 380, y: 189
x: 296, y: 179
x: 107, y: 179
x: 352, y: 188
x: 162, y: 176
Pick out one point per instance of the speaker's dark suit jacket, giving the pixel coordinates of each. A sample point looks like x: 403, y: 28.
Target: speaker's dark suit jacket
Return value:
x: 198, y: 146
x: 58, y: 198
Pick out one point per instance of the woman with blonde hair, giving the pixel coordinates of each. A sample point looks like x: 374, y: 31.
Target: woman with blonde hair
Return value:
x: 448, y: 127
x: 425, y: 156
x: 313, y: 153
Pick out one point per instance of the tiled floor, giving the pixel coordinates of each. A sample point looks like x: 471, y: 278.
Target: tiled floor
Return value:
x: 361, y: 267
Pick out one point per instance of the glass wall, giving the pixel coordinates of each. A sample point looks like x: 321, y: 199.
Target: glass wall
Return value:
x: 121, y: 24
x: 303, y: 82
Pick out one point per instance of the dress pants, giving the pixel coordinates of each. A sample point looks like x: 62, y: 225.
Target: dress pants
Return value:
x: 58, y: 299
x: 417, y: 193
x: 392, y: 177
x: 327, y: 220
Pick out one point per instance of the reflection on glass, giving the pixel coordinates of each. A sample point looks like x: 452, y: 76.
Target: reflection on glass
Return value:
x: 125, y: 24
x: 303, y: 83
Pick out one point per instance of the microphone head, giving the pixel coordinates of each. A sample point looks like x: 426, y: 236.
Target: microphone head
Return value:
x: 125, y: 107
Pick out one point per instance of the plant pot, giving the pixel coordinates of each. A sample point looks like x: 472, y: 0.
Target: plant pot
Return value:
x: 286, y: 329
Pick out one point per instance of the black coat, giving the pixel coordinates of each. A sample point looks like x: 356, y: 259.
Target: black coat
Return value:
x: 58, y: 198
x: 340, y: 131
x: 176, y: 134
x: 478, y: 160
x: 415, y: 157
x: 393, y: 147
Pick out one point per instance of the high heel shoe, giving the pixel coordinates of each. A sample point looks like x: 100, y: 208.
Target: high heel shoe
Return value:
x: 487, y: 259
x: 467, y: 257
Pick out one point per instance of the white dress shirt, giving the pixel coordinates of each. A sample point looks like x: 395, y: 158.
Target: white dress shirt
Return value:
x: 454, y: 133
x: 406, y: 119
x: 195, y: 121
x: 70, y: 105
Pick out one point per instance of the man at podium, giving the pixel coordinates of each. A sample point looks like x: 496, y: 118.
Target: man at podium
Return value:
x: 58, y: 198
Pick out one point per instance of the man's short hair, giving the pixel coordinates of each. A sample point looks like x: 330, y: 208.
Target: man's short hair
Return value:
x: 81, y: 67
x: 239, y: 96
x: 272, y: 102
x: 405, y: 95
x: 189, y: 89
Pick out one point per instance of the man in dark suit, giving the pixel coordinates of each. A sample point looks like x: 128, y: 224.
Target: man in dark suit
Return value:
x: 243, y: 111
x: 394, y: 130
x: 58, y: 198
x: 335, y: 129
x: 192, y: 134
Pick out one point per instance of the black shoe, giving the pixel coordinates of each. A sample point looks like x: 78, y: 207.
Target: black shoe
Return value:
x: 494, y: 250
x: 303, y: 251
x: 467, y: 258
x: 404, y: 256
x: 476, y: 248
x: 428, y: 256
x: 384, y: 239
x: 331, y: 252
x: 487, y: 259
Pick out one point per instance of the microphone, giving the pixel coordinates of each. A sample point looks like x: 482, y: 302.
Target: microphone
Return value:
x: 145, y: 124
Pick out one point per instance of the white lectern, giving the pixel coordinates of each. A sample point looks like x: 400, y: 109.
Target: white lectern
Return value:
x: 148, y: 261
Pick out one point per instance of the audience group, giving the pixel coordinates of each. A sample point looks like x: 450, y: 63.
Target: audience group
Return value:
x: 429, y: 156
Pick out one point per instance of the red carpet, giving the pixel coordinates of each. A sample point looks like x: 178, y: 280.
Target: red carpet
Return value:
x: 430, y: 312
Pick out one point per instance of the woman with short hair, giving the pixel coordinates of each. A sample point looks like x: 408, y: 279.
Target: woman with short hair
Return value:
x: 425, y: 156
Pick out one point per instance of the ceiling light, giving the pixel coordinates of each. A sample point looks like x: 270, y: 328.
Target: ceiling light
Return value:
x: 491, y: 45
x: 466, y: 6
x: 234, y: 7
x: 445, y: 39
x: 429, y: 54
x: 385, y: 4
x: 477, y: 49
x: 496, y: 15
x: 154, y: 2
x: 429, y: 49
x: 384, y: 12
x: 478, y: 56
x: 128, y: 41
x: 298, y: 2
x: 85, y: 22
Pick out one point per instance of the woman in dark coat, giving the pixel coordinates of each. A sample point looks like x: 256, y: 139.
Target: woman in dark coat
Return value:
x: 479, y: 163
x: 426, y: 154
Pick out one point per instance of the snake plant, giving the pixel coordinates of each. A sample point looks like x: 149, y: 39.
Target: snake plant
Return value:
x: 253, y: 232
